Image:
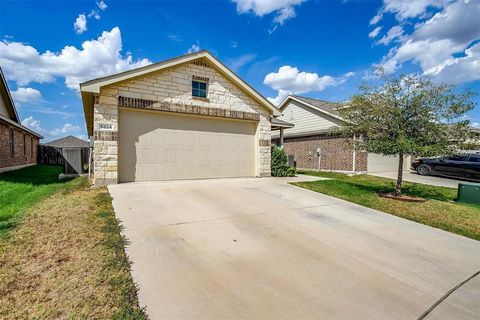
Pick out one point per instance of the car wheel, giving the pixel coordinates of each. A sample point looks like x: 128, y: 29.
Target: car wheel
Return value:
x: 424, y: 170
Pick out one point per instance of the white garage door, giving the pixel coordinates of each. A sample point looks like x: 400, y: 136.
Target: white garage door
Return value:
x: 163, y: 146
x: 380, y: 163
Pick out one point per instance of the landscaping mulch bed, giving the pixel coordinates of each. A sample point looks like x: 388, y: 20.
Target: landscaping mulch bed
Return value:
x: 401, y: 198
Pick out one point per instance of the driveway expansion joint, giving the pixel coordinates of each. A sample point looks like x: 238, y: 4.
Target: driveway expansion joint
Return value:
x: 446, y: 295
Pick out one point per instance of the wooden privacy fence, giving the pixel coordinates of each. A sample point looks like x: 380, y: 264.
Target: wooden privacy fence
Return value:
x: 73, y: 160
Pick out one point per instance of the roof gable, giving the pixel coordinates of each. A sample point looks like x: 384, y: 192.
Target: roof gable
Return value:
x: 93, y: 86
x: 68, y: 142
x: 322, y: 106
x: 7, y: 102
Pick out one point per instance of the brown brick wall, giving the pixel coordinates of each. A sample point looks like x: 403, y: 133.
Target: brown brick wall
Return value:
x: 19, y: 158
x: 336, y: 153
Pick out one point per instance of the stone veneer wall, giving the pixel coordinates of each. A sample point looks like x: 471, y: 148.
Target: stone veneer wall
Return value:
x: 336, y: 153
x: 172, y: 86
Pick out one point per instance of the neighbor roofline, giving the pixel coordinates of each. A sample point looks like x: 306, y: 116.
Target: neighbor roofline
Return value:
x: 20, y: 126
x: 93, y: 86
x: 9, y: 96
x: 284, y: 104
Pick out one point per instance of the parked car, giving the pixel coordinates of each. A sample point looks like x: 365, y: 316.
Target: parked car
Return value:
x: 465, y: 166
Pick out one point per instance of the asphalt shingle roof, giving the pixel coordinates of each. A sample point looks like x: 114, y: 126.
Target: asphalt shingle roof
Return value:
x: 68, y: 142
x: 330, y: 107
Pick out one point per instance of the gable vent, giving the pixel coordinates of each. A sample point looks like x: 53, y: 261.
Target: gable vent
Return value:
x: 201, y: 63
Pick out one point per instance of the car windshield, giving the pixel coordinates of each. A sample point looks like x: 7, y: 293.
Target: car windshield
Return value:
x: 457, y: 158
x: 474, y: 158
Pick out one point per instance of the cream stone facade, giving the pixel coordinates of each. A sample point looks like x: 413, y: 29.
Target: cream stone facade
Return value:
x: 170, y: 90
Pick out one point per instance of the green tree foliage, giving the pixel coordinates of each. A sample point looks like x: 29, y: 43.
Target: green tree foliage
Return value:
x: 279, y: 164
x: 408, y: 115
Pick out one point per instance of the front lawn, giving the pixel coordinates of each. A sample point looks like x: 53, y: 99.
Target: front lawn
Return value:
x: 438, y: 211
x: 66, y: 258
x: 21, y: 189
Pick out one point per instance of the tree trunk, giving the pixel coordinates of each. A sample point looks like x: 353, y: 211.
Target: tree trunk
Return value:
x: 398, y: 186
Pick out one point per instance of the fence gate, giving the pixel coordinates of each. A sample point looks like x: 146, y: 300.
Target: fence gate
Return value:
x: 72, y: 160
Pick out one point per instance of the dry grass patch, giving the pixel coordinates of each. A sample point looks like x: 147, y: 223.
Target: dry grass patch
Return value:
x: 67, y: 261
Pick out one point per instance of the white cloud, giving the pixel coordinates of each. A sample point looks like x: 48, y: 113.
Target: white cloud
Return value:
x: 174, y: 37
x: 291, y: 79
x: 94, y: 14
x: 33, y: 124
x: 442, y: 44
x: 376, y: 19
x: 237, y: 63
x: 233, y: 44
x: 67, y: 128
x: 55, y: 112
x: 281, y: 95
x: 80, y: 24
x: 404, y: 9
x: 102, y: 5
x: 23, y: 64
x: 284, y: 9
x: 374, y: 32
x: 26, y: 95
x: 194, y: 48
x: 284, y: 14
x: 475, y: 124
x: 394, y: 34
x: 458, y: 70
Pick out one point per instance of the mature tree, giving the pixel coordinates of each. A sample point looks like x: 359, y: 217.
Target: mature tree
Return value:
x: 408, y: 115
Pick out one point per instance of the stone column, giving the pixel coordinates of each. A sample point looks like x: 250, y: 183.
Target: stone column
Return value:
x: 105, y: 133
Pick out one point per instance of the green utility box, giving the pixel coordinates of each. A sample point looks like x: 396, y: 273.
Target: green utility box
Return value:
x: 468, y: 193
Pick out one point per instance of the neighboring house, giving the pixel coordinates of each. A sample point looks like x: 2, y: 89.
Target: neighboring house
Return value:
x: 67, y: 142
x: 314, y: 122
x: 186, y: 118
x: 18, y: 144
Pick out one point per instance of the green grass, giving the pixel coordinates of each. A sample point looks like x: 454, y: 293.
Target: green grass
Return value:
x: 439, y: 211
x: 70, y: 236
x: 21, y: 189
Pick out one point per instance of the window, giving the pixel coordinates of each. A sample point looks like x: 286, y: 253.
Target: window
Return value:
x: 457, y: 158
x: 11, y: 143
x: 474, y: 158
x: 199, y: 89
x: 24, y: 145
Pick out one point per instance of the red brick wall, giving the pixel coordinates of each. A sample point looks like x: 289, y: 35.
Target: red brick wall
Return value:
x: 19, y: 158
x: 336, y: 153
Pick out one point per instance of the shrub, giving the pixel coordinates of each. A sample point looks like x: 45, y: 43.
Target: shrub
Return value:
x: 280, y: 167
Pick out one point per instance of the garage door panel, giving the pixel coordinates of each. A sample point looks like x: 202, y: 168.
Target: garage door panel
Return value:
x: 381, y: 163
x: 167, y: 147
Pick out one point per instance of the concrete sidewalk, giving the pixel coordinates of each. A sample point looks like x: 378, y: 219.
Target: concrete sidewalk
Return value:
x: 263, y: 249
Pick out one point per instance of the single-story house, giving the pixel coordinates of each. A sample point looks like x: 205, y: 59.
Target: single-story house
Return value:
x: 314, y: 120
x: 18, y: 144
x: 190, y: 117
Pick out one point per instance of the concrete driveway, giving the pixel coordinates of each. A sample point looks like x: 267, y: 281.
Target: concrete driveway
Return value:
x: 412, y: 176
x: 263, y: 249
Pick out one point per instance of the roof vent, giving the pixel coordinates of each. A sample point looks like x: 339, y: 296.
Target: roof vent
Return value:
x: 201, y: 63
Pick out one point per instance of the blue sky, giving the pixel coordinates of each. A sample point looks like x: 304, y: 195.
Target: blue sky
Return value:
x: 319, y: 49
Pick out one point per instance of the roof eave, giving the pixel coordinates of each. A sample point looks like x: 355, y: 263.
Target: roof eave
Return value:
x: 94, y: 86
x: 284, y: 104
